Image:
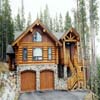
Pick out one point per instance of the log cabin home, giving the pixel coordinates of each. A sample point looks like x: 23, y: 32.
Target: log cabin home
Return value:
x: 45, y: 60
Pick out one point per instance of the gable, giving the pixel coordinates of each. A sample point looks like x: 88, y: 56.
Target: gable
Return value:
x: 37, y: 24
x: 43, y: 36
x: 70, y: 35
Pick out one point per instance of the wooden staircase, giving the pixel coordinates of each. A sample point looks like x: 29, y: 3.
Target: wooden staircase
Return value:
x: 77, y: 78
x: 72, y: 81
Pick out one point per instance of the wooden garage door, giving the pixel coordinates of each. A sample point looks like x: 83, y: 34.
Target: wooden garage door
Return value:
x: 47, y: 80
x: 28, y: 81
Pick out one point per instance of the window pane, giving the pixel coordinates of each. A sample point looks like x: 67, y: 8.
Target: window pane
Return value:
x: 49, y: 53
x: 37, y: 37
x: 24, y: 53
x: 37, y: 54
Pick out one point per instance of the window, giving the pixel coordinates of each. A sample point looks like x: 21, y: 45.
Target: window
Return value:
x: 49, y: 53
x: 37, y: 37
x: 81, y: 68
x: 24, y: 54
x: 37, y: 54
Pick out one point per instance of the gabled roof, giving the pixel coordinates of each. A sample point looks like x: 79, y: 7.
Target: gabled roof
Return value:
x: 37, y: 22
x: 58, y: 35
x: 73, y: 31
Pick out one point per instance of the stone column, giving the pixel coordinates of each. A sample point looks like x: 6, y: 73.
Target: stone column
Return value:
x: 37, y: 80
x: 65, y: 72
x: 55, y: 77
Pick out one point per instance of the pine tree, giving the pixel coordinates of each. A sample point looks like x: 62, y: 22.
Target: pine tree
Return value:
x: 51, y: 24
x: 41, y: 16
x: 18, y: 24
x: 93, y: 12
x: 0, y: 29
x: 56, y: 23
x: 82, y: 28
x: 46, y: 16
x: 29, y: 20
x: 68, y: 23
x: 75, y: 20
x: 6, y: 26
x: 60, y: 23
x: 22, y: 15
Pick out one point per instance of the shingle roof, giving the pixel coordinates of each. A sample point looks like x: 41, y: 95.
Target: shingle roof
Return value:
x: 17, y: 34
x: 10, y: 50
x: 58, y: 35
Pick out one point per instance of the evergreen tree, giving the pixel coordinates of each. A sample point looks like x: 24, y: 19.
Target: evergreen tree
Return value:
x: 6, y: 26
x: 18, y: 24
x: 29, y: 20
x: 98, y: 72
x: 46, y: 17
x: 60, y: 23
x: 75, y: 20
x: 51, y: 24
x: 22, y: 15
x: 82, y: 28
x: 41, y: 16
x: 56, y: 23
x: 68, y: 23
x: 93, y: 12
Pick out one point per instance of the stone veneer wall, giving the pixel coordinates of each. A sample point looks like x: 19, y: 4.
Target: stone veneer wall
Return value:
x: 59, y: 83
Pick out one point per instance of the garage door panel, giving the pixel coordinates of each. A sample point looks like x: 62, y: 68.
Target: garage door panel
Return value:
x: 46, y: 80
x: 28, y: 81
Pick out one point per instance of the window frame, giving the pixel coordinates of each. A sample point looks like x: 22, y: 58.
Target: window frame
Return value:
x: 37, y: 56
x: 25, y: 59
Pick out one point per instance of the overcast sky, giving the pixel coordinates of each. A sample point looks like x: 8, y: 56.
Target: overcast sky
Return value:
x: 34, y: 6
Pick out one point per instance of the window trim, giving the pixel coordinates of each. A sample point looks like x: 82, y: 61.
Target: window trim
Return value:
x: 37, y: 56
x: 26, y: 54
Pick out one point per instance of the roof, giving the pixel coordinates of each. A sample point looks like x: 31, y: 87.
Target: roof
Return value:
x: 17, y: 34
x: 58, y: 35
x: 9, y: 49
x: 72, y: 30
x: 37, y: 22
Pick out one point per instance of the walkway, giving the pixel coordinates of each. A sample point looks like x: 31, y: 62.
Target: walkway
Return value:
x: 53, y: 95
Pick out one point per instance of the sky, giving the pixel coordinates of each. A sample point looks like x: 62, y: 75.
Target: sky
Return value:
x: 55, y: 6
x: 34, y: 6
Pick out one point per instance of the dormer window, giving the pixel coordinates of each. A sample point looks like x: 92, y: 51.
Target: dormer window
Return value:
x: 37, y: 37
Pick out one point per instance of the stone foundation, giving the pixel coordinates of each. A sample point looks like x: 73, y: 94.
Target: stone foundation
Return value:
x: 59, y: 83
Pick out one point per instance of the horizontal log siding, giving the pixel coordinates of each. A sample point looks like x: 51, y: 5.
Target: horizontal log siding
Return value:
x: 30, y: 46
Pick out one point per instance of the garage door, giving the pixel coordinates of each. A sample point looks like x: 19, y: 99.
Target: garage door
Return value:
x: 28, y: 81
x: 47, y: 80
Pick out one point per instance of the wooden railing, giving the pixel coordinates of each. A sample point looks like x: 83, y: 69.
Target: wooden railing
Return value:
x: 72, y: 81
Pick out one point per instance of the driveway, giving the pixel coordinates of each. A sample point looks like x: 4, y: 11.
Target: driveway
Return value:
x: 53, y: 95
